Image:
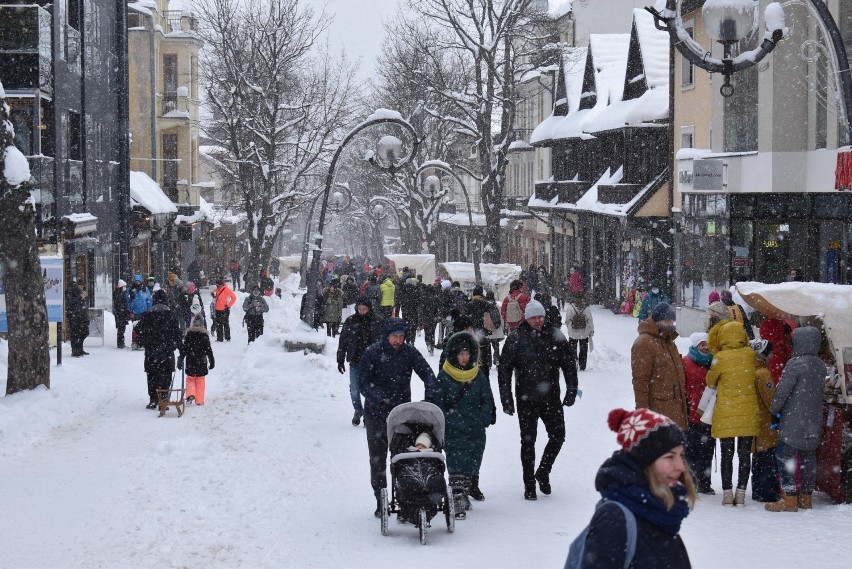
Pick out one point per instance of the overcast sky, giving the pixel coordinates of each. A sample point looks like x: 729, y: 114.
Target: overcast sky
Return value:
x: 357, y: 27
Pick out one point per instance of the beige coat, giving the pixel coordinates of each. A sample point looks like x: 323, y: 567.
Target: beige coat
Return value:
x: 658, y: 376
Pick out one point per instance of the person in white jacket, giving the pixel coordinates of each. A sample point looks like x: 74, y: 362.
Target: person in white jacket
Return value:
x: 581, y: 327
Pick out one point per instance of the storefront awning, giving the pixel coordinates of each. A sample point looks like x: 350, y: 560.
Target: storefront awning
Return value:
x: 146, y: 192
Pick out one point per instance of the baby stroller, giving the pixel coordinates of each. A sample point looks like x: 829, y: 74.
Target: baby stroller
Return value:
x: 418, y: 487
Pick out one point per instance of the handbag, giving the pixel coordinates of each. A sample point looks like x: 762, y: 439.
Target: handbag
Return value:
x: 707, y: 404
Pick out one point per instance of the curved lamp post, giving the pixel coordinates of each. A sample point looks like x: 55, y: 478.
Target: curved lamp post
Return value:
x: 338, y: 201
x: 729, y: 21
x: 389, y: 157
x: 433, y: 183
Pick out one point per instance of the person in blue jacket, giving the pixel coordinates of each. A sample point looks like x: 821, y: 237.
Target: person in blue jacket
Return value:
x: 648, y: 476
x: 385, y: 382
x: 138, y: 303
x: 654, y: 297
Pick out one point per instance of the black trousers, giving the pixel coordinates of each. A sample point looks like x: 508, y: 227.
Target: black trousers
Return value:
x: 254, y: 327
x: 429, y: 333
x: 119, y: 334
x: 699, y: 453
x: 551, y: 414
x: 377, y: 446
x: 222, y: 324
x: 158, y: 380
x: 584, y: 351
x: 744, y: 456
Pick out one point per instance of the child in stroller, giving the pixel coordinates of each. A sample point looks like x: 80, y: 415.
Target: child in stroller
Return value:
x: 419, y: 488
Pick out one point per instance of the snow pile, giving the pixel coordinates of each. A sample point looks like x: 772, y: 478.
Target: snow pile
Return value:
x: 16, y: 169
x: 147, y: 193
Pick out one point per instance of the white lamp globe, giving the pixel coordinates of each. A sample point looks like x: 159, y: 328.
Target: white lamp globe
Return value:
x: 729, y: 21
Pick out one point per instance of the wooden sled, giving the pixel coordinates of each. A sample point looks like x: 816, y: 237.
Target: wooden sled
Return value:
x: 164, y: 396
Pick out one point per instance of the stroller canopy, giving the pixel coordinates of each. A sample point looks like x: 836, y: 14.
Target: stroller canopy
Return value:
x: 416, y: 412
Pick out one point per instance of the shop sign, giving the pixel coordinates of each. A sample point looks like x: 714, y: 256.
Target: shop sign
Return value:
x: 707, y: 175
x: 741, y: 262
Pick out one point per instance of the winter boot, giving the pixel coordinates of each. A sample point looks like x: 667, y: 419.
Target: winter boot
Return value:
x: 356, y: 418
x: 787, y: 503
x: 378, y: 512
x: 529, y: 492
x: 458, y: 484
x: 727, y: 497
x: 543, y: 481
x: 151, y: 404
x: 804, y: 502
x: 739, y: 497
x: 475, y: 492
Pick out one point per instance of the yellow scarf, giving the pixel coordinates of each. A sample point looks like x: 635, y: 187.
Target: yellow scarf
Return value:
x: 460, y: 375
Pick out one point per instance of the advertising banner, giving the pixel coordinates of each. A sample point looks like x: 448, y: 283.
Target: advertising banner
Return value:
x: 52, y: 275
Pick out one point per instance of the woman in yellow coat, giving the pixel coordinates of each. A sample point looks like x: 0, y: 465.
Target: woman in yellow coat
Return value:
x: 736, y: 414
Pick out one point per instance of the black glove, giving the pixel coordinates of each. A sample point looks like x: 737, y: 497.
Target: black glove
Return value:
x: 509, y: 407
x: 570, y: 397
x: 180, y: 362
x: 341, y: 366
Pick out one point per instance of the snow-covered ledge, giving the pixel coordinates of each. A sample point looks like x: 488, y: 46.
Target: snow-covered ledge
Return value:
x: 303, y: 338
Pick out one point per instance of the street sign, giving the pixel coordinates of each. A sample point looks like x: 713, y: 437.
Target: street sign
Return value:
x: 741, y: 261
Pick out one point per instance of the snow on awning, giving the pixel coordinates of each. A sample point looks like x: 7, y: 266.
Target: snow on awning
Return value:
x: 462, y: 218
x: 81, y: 223
x: 146, y: 192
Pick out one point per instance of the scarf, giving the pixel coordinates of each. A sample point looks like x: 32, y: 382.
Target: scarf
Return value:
x: 460, y: 375
x: 699, y: 358
x: 650, y: 508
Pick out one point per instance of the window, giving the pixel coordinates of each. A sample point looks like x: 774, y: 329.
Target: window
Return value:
x: 687, y: 70
x: 687, y: 135
x: 75, y: 136
x: 170, y: 165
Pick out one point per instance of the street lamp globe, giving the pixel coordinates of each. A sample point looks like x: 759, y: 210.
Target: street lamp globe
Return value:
x: 433, y: 184
x: 729, y: 21
x: 336, y: 201
x: 378, y: 210
x: 389, y: 148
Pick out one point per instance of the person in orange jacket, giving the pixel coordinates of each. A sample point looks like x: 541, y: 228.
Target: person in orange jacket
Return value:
x: 223, y: 299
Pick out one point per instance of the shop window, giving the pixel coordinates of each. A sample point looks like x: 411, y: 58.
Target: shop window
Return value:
x: 833, y: 206
x: 742, y: 205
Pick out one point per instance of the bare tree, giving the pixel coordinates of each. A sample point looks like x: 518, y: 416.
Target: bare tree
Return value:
x: 26, y: 311
x: 496, y: 41
x: 278, y: 110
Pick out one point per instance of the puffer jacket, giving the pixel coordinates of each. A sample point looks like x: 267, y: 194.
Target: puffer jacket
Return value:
x: 196, y: 352
x: 160, y: 336
x: 333, y: 309
x: 772, y: 330
x: 799, y: 394
x: 658, y: 376
x: 766, y: 438
x: 696, y: 383
x: 732, y: 374
x: 388, y: 290
x: 571, y: 309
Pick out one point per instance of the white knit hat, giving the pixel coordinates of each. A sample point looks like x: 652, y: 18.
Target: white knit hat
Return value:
x: 696, y: 338
x: 424, y: 439
x: 121, y: 283
x: 534, y: 308
x: 445, y: 284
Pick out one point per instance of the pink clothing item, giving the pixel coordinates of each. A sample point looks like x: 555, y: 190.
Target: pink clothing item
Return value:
x: 195, y: 385
x: 713, y: 297
x: 575, y: 282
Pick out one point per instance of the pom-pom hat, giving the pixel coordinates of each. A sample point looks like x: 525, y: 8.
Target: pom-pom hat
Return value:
x: 663, y: 311
x: 645, y: 435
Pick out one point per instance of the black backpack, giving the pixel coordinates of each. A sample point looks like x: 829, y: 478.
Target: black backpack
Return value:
x: 578, y: 321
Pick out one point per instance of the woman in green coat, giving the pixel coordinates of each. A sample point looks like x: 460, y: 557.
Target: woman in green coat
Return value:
x: 464, y: 395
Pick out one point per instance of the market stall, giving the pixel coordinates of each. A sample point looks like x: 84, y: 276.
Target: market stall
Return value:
x: 424, y: 264
x: 495, y: 277
x: 829, y: 307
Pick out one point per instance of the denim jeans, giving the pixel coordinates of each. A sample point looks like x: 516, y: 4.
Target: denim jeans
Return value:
x: 355, y: 387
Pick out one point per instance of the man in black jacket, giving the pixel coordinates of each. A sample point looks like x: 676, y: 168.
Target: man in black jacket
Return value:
x: 160, y: 336
x: 359, y: 331
x: 535, y: 354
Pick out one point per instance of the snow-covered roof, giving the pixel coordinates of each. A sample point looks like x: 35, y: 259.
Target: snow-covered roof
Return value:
x: 80, y: 217
x: 558, y: 8
x: 496, y: 277
x: 463, y: 219
x: 203, y: 213
x: 146, y: 192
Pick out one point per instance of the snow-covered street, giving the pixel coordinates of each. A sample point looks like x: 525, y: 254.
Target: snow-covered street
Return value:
x: 270, y: 473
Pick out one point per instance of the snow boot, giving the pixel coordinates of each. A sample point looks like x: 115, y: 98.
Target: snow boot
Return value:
x: 378, y: 512
x: 529, y: 492
x: 727, y: 497
x: 739, y: 498
x: 190, y: 400
x: 787, y: 503
x: 543, y: 481
x: 356, y: 418
x: 475, y: 492
x: 804, y: 502
x: 151, y: 404
x: 460, y: 485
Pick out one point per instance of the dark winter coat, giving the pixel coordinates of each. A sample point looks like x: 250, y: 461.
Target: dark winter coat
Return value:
x: 650, y: 301
x: 799, y: 394
x: 468, y: 406
x: 358, y: 333
x: 430, y: 303
x: 196, y: 352
x: 350, y: 292
x: 386, y: 374
x: 77, y: 311
x: 408, y: 299
x: 536, y: 358
x: 160, y: 336
x: 658, y: 377
x: 655, y: 548
x: 255, y: 305
x: 119, y: 306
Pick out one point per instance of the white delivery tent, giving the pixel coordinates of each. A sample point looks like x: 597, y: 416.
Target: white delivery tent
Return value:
x: 288, y: 265
x: 496, y: 277
x: 423, y: 264
x: 830, y: 303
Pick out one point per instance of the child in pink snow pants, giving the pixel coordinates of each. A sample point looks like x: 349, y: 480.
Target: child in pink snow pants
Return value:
x: 196, y: 359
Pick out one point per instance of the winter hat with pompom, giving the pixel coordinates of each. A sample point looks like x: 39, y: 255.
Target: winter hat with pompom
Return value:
x: 645, y: 435
x: 713, y: 297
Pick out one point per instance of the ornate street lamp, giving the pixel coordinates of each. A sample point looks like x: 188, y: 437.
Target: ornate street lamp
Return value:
x: 727, y: 22
x: 433, y: 184
x: 389, y: 157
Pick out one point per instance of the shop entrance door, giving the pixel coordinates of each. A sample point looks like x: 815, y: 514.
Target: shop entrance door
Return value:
x: 780, y: 247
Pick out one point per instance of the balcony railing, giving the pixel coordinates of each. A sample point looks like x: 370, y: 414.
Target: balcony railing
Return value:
x: 180, y: 20
x: 566, y: 192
